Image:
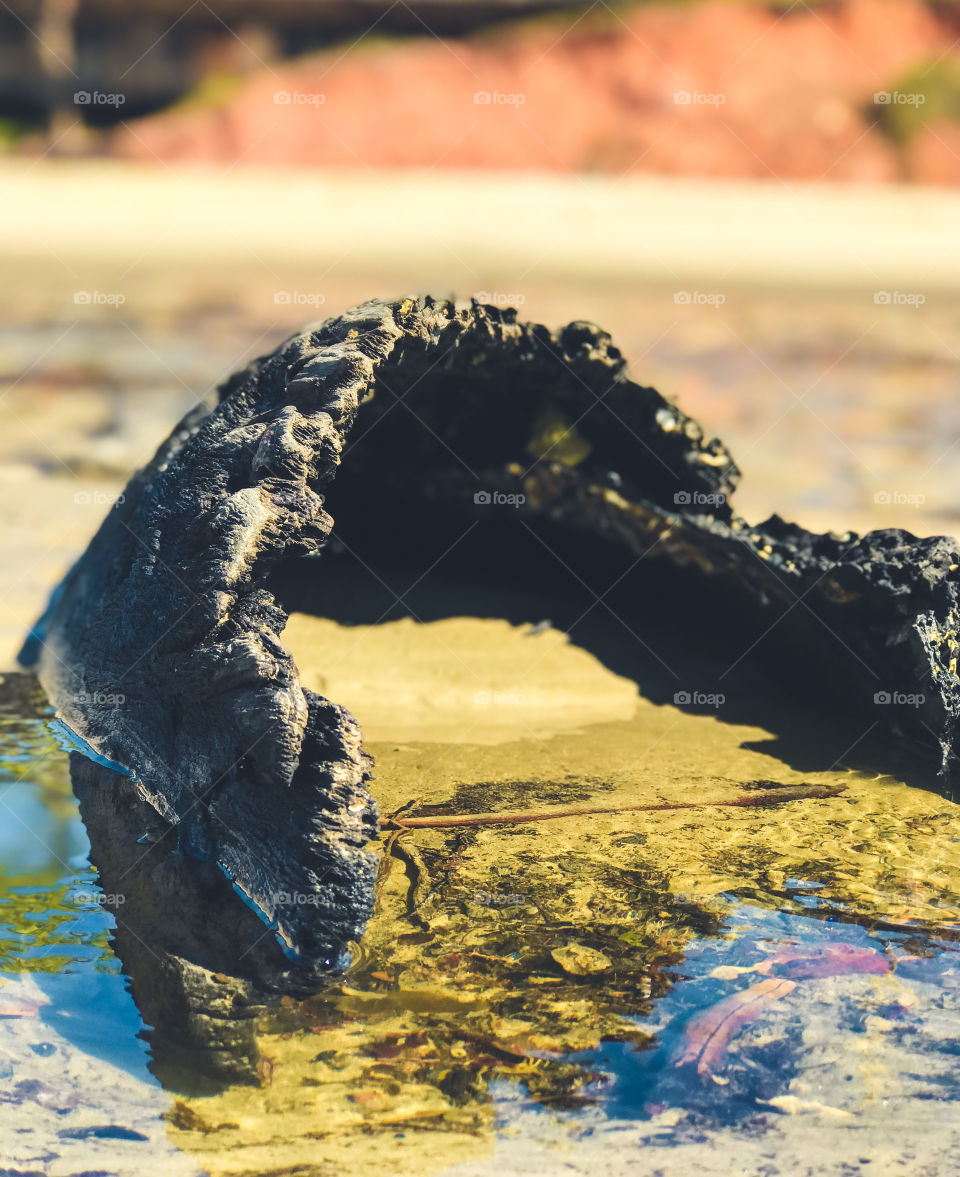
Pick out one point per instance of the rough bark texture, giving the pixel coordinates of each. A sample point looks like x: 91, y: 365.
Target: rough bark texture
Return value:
x: 161, y: 648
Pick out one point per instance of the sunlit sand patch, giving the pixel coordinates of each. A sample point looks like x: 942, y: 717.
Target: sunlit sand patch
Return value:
x: 583, y: 734
x: 459, y: 680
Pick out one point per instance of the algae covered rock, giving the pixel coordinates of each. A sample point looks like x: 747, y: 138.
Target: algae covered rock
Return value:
x: 162, y: 649
x: 579, y: 960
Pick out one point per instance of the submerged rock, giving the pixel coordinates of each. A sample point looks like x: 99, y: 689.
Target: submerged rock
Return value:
x: 161, y: 649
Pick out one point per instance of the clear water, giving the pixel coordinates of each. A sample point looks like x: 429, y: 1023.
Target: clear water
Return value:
x: 847, y: 1061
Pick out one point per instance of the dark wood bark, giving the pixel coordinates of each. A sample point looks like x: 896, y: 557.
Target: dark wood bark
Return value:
x: 162, y: 648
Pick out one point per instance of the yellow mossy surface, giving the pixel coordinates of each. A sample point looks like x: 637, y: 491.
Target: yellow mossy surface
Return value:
x: 495, y: 950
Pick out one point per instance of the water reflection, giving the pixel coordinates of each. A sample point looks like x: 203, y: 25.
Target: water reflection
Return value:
x: 702, y: 984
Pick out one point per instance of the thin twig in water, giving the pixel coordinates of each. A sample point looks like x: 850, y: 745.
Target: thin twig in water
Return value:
x: 760, y: 800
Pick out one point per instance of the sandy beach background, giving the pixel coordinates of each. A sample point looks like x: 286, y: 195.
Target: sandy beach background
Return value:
x: 814, y: 327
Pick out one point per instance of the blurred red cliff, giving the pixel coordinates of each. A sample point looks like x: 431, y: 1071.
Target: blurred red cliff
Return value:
x: 854, y: 90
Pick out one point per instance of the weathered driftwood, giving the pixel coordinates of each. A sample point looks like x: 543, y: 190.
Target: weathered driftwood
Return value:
x: 162, y: 648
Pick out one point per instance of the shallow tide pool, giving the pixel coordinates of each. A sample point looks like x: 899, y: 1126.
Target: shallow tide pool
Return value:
x: 729, y: 988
